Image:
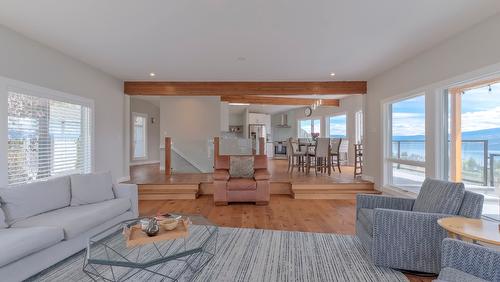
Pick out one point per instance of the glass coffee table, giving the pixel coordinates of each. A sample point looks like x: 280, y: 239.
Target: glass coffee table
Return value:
x: 109, y: 259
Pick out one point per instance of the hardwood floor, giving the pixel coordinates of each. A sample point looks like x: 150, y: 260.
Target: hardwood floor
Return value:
x: 282, y: 213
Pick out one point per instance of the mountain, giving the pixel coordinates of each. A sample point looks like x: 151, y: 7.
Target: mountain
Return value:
x: 492, y: 135
x: 484, y: 134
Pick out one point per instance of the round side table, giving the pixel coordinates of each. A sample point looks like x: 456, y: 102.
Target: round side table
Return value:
x: 472, y: 230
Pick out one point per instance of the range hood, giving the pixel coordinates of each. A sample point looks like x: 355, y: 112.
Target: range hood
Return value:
x: 284, y: 121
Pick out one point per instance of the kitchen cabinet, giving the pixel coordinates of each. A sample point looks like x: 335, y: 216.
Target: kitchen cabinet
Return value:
x: 255, y: 118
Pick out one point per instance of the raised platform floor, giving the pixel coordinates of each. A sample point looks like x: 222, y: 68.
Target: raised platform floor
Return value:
x: 155, y: 185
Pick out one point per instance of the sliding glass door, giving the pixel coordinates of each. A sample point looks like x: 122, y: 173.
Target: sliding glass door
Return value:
x: 474, y: 140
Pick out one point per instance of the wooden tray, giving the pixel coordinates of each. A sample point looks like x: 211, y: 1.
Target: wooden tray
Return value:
x: 136, y: 237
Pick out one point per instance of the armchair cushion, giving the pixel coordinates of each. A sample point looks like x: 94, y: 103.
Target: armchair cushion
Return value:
x: 449, y: 274
x: 2, y: 218
x: 241, y: 184
x: 221, y: 174
x: 476, y: 260
x: 437, y: 196
x: 262, y: 174
x: 241, y: 166
x: 365, y: 217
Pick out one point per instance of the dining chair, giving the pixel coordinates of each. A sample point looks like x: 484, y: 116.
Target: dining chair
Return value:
x: 358, y: 160
x: 296, y: 157
x: 320, y: 158
x: 335, y: 153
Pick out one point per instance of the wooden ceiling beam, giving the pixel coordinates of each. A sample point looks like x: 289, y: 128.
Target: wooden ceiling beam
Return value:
x: 261, y: 100
x: 243, y: 88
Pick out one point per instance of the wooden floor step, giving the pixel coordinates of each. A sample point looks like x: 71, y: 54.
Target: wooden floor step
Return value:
x: 332, y: 191
x: 168, y: 191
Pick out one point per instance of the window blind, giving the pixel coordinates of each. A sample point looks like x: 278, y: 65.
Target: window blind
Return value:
x: 46, y: 138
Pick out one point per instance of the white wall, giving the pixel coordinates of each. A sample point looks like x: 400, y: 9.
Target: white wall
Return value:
x: 153, y: 130
x: 460, y: 58
x: 236, y: 119
x: 29, y: 61
x: 349, y: 106
x: 191, y: 122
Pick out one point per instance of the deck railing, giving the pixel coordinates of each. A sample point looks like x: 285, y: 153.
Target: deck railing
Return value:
x: 479, y: 168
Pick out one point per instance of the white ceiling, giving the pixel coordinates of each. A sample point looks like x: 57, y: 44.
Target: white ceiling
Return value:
x: 260, y: 40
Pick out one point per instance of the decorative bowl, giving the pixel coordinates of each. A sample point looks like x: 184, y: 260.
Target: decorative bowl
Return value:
x: 169, y: 224
x: 144, y: 223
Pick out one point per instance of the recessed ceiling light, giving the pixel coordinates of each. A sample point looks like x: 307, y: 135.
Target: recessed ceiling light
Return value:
x: 152, y: 74
x: 332, y: 74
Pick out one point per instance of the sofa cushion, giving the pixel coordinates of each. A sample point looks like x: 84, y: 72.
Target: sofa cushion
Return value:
x: 437, y: 196
x: 26, y: 200
x: 240, y: 184
x: 241, y: 166
x: 91, y: 188
x: 76, y: 220
x: 449, y: 274
x: 365, y: 217
x: 2, y: 218
x: 17, y: 243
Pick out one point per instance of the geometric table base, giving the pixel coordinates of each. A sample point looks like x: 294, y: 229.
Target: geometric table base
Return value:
x: 175, y: 260
x: 180, y: 269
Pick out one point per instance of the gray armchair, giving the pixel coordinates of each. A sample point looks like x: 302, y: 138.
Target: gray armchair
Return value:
x: 403, y: 233
x: 464, y: 261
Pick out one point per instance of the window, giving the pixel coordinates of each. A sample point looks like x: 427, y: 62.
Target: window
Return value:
x: 140, y: 136
x: 359, y: 127
x: 405, y: 143
x: 338, y: 126
x: 474, y: 140
x: 309, y: 127
x: 46, y: 137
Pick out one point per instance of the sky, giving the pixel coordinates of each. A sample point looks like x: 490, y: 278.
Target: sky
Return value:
x: 338, y: 126
x: 480, y: 110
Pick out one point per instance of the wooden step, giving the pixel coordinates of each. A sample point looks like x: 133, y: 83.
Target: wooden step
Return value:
x: 277, y: 188
x: 332, y: 191
x: 168, y: 191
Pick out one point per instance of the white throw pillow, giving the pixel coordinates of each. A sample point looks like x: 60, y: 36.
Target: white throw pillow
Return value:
x: 26, y: 200
x: 2, y: 219
x: 91, y: 188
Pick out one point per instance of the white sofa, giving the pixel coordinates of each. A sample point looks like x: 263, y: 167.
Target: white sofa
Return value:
x: 45, y: 222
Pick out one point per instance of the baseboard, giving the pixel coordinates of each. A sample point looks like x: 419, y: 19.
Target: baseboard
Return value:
x: 144, y: 163
x: 368, y: 178
x: 123, y: 179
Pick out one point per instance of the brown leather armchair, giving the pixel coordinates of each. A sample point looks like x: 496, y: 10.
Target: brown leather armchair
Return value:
x: 229, y: 189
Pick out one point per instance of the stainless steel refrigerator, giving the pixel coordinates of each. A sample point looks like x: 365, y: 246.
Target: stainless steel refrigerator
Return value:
x: 256, y: 131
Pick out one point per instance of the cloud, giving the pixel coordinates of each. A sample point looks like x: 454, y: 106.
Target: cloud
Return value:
x: 408, y: 124
x: 472, y: 121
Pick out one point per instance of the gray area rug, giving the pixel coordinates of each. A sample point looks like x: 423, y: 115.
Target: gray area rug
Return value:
x: 264, y: 255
